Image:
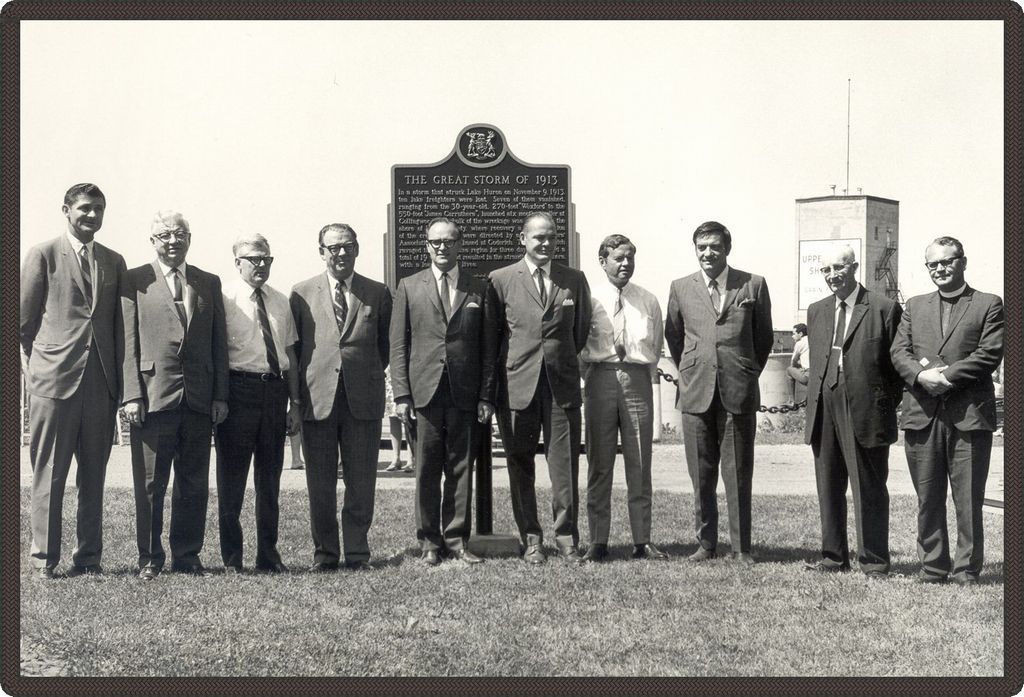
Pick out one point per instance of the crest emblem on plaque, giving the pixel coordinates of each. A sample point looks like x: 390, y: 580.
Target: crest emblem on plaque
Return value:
x: 480, y: 146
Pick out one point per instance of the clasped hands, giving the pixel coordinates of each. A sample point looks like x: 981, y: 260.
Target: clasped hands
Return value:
x: 404, y: 411
x: 934, y: 382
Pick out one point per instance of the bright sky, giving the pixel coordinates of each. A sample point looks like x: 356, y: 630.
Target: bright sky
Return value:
x: 282, y: 127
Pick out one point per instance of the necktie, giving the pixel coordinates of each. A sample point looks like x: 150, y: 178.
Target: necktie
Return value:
x: 543, y: 288
x: 340, y: 305
x: 836, y: 354
x: 268, y: 337
x: 716, y: 297
x: 446, y: 301
x: 179, y: 302
x: 619, y: 328
x: 83, y: 258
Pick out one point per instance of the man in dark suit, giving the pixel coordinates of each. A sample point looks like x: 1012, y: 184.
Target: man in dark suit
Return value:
x: 719, y: 333
x: 72, y: 343
x: 436, y: 332
x: 537, y: 318
x: 342, y: 322
x: 852, y: 392
x: 948, y: 345
x: 175, y: 392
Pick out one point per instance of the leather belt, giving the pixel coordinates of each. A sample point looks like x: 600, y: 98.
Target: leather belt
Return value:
x: 262, y: 377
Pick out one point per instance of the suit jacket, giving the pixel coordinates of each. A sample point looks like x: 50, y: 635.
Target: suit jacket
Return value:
x: 359, y: 352
x: 423, y: 344
x: 166, y: 364
x: 59, y: 325
x: 521, y: 335
x: 972, y: 348
x: 728, y: 350
x: 873, y: 386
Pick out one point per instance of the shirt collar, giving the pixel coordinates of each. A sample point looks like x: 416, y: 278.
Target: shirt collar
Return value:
x: 721, y: 278
x: 533, y: 267
x: 615, y: 289
x: 238, y: 288
x: 453, y: 274
x: 852, y: 298
x: 955, y: 293
x: 77, y: 244
x: 333, y: 282
x: 167, y: 269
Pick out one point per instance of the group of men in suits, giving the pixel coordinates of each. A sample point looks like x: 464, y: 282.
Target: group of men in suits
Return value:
x: 183, y: 356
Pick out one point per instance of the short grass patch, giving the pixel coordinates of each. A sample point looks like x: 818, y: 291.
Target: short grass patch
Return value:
x: 503, y: 618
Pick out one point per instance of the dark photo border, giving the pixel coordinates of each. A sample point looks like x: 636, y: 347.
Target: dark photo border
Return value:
x: 1008, y: 13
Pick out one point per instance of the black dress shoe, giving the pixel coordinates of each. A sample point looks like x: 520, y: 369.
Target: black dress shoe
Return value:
x: 596, y: 552
x: 149, y: 573
x: 276, y: 568
x: 465, y: 555
x: 826, y: 567
x: 192, y: 570
x: 89, y: 570
x: 534, y: 554
x: 648, y: 551
x: 44, y: 573
x: 702, y: 554
x: 323, y: 567
x: 232, y: 570
x: 570, y: 555
x: 430, y: 557
x: 358, y: 565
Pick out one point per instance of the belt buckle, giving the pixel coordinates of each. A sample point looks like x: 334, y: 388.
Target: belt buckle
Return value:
x: 266, y: 377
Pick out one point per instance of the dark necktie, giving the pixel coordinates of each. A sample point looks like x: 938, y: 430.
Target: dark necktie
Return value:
x: 340, y: 305
x: 716, y: 297
x: 83, y: 258
x: 179, y: 302
x: 268, y: 337
x: 619, y: 328
x: 543, y: 288
x: 946, y: 308
x: 836, y: 354
x: 446, y: 302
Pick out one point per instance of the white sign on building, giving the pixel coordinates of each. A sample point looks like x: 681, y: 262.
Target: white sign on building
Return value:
x: 811, y: 282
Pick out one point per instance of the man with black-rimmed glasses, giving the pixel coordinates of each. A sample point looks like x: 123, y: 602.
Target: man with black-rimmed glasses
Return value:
x: 261, y: 338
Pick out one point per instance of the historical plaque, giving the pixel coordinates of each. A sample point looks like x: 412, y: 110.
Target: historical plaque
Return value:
x: 488, y: 191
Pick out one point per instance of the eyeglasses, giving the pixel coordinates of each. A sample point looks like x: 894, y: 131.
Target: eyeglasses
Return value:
x: 436, y: 244
x: 835, y: 268
x: 944, y: 263
x: 335, y: 249
x: 258, y: 261
x: 171, y: 235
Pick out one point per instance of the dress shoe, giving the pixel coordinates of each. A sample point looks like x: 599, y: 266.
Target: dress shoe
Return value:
x: 191, y: 570
x: 231, y: 570
x: 570, y: 554
x: 925, y: 577
x: 465, y: 555
x: 962, y: 579
x: 410, y: 467
x: 44, y: 573
x: 597, y: 552
x: 648, y: 551
x: 395, y: 466
x: 534, y: 554
x: 826, y: 567
x: 358, y: 565
x: 743, y: 558
x: 276, y: 568
x: 430, y: 557
x: 297, y: 466
x: 149, y: 573
x: 323, y: 567
x: 88, y: 570
x: 702, y: 554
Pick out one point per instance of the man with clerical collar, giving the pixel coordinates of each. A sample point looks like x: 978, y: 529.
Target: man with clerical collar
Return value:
x: 949, y: 344
x: 341, y: 319
x: 436, y: 367
x: 719, y: 333
x: 620, y: 367
x: 261, y: 338
x: 852, y: 393
x: 175, y: 393
x: 72, y: 340
x: 537, y: 318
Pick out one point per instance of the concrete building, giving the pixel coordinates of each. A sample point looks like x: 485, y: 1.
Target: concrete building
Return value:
x: 869, y: 224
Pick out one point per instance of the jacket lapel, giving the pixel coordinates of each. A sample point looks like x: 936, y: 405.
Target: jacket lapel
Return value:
x: 732, y: 287
x: 431, y: 291
x: 701, y: 289
x: 192, y: 281
x: 857, y: 312
x: 355, y: 303
x: 326, y: 301
x: 936, y: 319
x: 461, y: 291
x: 958, y: 312
x: 558, y: 284
x: 73, y: 264
x: 528, y: 282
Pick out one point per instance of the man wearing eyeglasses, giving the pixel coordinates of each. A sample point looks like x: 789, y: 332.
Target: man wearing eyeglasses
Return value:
x: 436, y: 366
x: 175, y: 393
x: 852, y: 393
x: 948, y: 345
x: 72, y: 342
x: 261, y: 338
x: 342, y: 323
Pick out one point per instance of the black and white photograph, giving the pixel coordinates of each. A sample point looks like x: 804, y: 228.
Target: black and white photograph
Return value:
x: 365, y: 342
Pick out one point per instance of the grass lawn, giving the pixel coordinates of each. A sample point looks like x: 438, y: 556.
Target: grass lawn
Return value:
x: 626, y: 617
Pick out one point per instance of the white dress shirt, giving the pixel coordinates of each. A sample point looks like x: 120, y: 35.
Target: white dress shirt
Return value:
x: 453, y: 281
x: 533, y: 274
x: 332, y: 282
x: 186, y: 292
x: 721, y: 278
x: 850, y: 301
x: 644, y: 326
x: 246, y: 349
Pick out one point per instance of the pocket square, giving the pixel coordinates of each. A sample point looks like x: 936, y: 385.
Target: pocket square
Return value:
x: 472, y: 304
x: 367, y: 311
x: 568, y: 301
x: 746, y: 302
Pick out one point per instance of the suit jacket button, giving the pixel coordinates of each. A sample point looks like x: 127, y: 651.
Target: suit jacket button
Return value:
x: 337, y: 370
